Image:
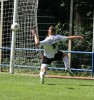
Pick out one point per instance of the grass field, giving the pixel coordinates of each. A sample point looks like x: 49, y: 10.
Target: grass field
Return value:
x: 19, y: 87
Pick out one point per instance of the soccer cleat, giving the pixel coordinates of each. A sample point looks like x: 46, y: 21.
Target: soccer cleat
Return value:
x: 69, y: 71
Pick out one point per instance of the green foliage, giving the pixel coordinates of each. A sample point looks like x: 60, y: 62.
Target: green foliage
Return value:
x: 77, y: 45
x: 60, y: 29
x: 64, y: 4
x: 82, y: 8
x: 86, y: 44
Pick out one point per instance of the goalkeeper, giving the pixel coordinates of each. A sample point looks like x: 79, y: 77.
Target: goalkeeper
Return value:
x: 51, y: 51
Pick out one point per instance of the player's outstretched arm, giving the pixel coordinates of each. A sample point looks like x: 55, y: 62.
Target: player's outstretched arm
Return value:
x: 75, y: 37
x: 36, y: 38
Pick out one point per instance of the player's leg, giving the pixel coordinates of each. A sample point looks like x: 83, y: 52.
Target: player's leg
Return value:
x: 61, y: 55
x: 66, y: 63
x: 43, y: 72
x: 45, y: 62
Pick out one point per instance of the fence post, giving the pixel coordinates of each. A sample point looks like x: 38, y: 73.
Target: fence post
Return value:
x: 92, y: 64
x: 93, y: 47
x: 70, y: 30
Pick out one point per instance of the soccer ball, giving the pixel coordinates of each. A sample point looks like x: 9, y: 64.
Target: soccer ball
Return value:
x: 15, y: 27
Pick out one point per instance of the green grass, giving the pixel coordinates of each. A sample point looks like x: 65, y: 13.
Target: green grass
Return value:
x: 17, y: 87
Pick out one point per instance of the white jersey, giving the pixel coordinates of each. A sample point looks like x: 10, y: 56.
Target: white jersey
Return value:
x: 51, y: 45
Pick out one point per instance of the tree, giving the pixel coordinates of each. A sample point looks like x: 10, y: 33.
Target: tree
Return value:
x: 83, y: 25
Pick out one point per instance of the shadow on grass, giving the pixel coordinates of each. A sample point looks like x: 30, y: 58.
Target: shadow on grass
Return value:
x: 70, y: 88
x: 51, y: 84
x: 61, y: 84
x: 86, y: 85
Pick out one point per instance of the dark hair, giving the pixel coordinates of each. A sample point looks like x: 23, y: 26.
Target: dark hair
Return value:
x: 53, y: 29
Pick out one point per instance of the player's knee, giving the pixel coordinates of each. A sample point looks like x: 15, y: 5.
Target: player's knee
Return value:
x: 44, y: 67
x: 64, y: 54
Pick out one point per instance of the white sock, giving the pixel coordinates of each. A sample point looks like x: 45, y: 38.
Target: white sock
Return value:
x: 66, y: 62
x: 41, y: 74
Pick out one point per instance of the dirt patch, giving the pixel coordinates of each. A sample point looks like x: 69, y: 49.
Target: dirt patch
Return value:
x: 57, y: 76
x: 71, y: 77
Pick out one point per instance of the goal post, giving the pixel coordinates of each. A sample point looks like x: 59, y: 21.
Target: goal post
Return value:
x: 1, y: 28
x: 12, y: 61
x: 25, y: 13
x: 1, y: 24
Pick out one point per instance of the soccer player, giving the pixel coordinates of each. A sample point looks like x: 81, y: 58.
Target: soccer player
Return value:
x: 51, y: 51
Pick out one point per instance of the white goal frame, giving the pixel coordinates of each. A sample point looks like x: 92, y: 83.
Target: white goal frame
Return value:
x: 13, y: 42
x: 15, y: 14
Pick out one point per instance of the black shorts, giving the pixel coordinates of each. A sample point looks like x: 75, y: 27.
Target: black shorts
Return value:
x: 58, y: 56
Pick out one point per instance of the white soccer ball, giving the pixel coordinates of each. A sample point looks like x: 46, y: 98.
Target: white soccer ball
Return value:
x: 15, y: 27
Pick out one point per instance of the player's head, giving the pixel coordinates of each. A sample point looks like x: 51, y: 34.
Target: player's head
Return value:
x: 52, y: 30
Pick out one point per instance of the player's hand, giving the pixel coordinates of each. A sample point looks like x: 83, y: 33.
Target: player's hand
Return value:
x: 81, y: 38
x: 33, y: 32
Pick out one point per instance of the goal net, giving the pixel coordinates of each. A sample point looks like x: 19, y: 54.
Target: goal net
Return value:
x: 26, y: 52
